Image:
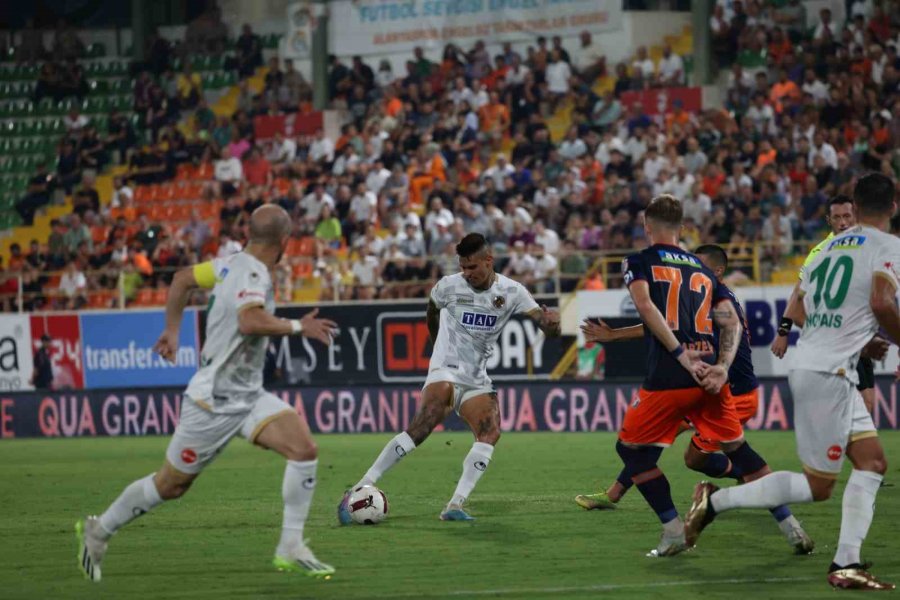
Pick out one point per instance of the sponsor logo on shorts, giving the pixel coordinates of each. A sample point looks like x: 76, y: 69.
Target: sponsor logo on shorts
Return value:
x: 188, y: 456
x: 481, y: 465
x: 834, y: 453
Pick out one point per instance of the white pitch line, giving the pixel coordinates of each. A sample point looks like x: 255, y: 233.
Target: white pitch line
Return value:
x: 607, y: 587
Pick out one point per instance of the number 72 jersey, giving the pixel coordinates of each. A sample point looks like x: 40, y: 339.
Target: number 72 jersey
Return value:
x: 685, y: 292
x: 836, y: 287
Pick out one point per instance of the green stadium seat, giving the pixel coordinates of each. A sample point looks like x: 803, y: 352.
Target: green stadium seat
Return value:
x: 96, y: 50
x: 118, y: 69
x: 98, y: 87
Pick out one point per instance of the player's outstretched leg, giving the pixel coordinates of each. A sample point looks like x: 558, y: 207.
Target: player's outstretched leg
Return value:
x: 641, y: 461
x: 289, y: 435
x: 136, y: 500
x: 436, y: 405
x: 745, y: 465
x: 857, y: 512
x: 482, y: 413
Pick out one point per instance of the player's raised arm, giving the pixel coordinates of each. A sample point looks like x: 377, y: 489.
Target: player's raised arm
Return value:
x: 256, y: 321
x: 599, y: 331
x: 184, y: 282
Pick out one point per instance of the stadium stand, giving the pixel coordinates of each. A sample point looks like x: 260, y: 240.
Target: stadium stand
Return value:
x: 538, y: 150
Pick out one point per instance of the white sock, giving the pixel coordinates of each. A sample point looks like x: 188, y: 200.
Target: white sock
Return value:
x: 857, y: 510
x: 787, y: 524
x: 474, y: 466
x: 297, y: 490
x: 674, y: 528
x: 393, y: 451
x: 775, y: 489
x: 137, y: 499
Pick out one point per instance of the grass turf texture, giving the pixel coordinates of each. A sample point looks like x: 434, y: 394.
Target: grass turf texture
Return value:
x: 530, y: 539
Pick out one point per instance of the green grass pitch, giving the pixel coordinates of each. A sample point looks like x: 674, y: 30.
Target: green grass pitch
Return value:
x: 530, y: 539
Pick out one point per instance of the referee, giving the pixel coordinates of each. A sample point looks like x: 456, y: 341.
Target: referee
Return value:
x: 840, y: 218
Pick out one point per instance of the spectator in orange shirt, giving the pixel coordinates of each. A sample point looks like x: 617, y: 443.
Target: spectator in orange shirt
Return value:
x: 780, y: 45
x: 678, y: 116
x: 494, y: 118
x: 783, y: 88
x: 392, y: 104
x: 766, y: 155
x: 713, y: 180
x: 257, y: 170
x: 499, y: 72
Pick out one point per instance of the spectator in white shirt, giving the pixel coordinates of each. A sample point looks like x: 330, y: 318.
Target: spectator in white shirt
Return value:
x: 822, y: 148
x: 363, y: 206
x: 696, y: 205
x: 543, y: 274
x: 122, y: 194
x: 815, y: 87
x: 609, y: 143
x: 73, y: 285
x: 548, y: 239
x: 75, y: 122
x: 589, y: 59
x: 694, y: 159
x: 654, y: 163
x: 499, y: 171
x: 572, y: 146
x: 229, y: 172
x: 642, y: 67
x: 436, y: 213
x: 322, y: 149
x: 366, y: 271
x: 826, y: 30
x: 377, y: 177
x: 312, y: 203
x: 521, y: 264
x: 558, y: 74
x: 281, y: 149
x: 347, y: 161
x: 671, y: 68
x: 517, y: 71
x: 461, y: 93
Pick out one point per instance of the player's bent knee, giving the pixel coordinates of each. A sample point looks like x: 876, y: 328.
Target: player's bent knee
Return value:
x: 821, y: 488
x: 489, y: 437
x: 301, y: 451
x: 171, y: 488
x: 694, y: 459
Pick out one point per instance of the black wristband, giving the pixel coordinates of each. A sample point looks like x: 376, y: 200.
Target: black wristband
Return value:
x: 677, y: 352
x: 784, y: 327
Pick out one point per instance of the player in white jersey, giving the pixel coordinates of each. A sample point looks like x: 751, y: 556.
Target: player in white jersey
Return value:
x: 848, y: 292
x: 466, y: 313
x: 225, y: 396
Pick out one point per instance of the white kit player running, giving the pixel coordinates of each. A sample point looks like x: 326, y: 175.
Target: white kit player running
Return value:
x: 226, y: 398
x: 848, y: 293
x: 466, y: 313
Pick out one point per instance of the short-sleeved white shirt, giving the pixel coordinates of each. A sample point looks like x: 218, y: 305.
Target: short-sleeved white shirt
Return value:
x: 837, y: 284
x: 230, y: 376
x: 471, y: 321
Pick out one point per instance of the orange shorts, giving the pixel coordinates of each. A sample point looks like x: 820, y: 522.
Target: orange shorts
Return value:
x: 745, y: 407
x: 656, y: 417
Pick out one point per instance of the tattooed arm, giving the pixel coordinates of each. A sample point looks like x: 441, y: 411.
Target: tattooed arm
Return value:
x: 729, y: 324
x: 433, y: 320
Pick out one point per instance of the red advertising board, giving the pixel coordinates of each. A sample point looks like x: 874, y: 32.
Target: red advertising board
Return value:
x: 659, y: 101
x: 266, y: 126
x: 65, y: 348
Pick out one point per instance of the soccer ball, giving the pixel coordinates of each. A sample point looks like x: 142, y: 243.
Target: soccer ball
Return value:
x: 368, y: 505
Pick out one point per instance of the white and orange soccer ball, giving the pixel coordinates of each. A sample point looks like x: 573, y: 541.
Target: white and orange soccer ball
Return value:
x: 367, y: 505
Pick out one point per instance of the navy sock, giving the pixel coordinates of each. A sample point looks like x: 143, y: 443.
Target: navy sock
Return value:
x: 780, y: 512
x: 624, y: 478
x: 746, y: 461
x: 650, y: 481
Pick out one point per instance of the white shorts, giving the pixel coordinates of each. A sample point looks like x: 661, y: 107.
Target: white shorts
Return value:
x: 461, y: 391
x: 829, y: 413
x: 201, y: 435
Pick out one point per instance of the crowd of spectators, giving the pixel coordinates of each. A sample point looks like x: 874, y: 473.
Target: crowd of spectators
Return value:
x: 461, y: 142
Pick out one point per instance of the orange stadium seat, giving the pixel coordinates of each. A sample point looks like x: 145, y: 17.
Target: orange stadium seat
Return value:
x: 159, y: 296
x: 302, y: 269
x: 185, y: 172
x: 204, y: 171
x: 144, y: 297
x: 101, y: 299
x: 167, y: 191
x: 99, y: 233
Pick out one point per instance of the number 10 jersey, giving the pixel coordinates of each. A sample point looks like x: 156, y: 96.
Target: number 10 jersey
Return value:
x: 836, y: 285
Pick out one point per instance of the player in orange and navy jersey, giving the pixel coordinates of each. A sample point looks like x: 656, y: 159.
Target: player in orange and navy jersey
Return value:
x: 687, y: 314
x: 702, y: 454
